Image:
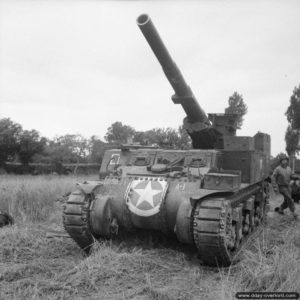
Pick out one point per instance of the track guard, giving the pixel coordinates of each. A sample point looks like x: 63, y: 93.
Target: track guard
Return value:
x: 76, y: 214
x: 183, y: 222
x: 101, y: 219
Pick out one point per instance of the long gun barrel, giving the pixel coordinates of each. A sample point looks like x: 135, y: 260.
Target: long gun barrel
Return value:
x: 183, y: 93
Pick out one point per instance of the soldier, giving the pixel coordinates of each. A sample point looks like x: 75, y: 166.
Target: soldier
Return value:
x: 281, y: 182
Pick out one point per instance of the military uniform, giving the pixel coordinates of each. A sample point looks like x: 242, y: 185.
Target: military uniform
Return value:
x: 295, y: 187
x: 282, y: 176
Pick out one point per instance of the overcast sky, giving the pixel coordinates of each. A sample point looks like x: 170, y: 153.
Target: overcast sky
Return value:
x: 78, y: 66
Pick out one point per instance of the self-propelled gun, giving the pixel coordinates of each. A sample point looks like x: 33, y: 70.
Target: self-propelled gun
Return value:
x: 212, y: 196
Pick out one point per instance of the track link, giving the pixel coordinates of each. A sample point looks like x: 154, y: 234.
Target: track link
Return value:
x: 76, y: 219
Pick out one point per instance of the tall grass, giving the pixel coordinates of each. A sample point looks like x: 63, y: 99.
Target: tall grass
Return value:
x: 34, y: 267
x: 34, y: 198
x: 273, y: 262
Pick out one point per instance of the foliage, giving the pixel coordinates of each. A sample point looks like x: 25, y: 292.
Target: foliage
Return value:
x: 97, y: 148
x: 164, y: 137
x: 119, y: 133
x: 185, y: 141
x: 236, y: 105
x: 291, y: 140
x: 57, y: 152
x: 293, y: 111
x: 33, y: 198
x: 30, y: 144
x: 16, y: 142
x: 293, y: 117
x: 69, y: 148
x: 9, y: 139
x: 157, y: 136
x: 76, y: 143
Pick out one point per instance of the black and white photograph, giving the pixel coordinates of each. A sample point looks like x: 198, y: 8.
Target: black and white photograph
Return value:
x: 149, y: 149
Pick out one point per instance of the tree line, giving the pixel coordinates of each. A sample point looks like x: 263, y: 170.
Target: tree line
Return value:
x: 28, y: 146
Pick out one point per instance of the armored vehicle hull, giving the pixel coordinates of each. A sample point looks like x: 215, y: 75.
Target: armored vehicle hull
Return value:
x: 175, y: 192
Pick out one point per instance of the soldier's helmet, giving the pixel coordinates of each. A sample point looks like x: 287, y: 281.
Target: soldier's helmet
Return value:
x: 283, y: 157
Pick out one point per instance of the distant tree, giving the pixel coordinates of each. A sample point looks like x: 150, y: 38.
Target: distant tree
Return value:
x: 291, y: 140
x: 293, y: 111
x: 77, y: 144
x: 236, y: 105
x: 9, y: 139
x: 69, y: 148
x: 96, y: 149
x: 156, y: 136
x: 119, y: 133
x: 59, y: 153
x: 164, y: 137
x: 30, y: 143
x: 141, y: 137
x: 185, y: 141
x: 293, y: 117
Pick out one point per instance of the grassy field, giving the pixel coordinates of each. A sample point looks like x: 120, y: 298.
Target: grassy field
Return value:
x: 33, y: 266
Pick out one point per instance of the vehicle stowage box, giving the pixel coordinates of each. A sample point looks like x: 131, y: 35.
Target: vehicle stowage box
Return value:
x: 239, y: 143
x: 219, y: 181
x: 253, y: 164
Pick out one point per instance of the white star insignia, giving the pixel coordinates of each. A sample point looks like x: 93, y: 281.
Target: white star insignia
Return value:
x: 146, y: 194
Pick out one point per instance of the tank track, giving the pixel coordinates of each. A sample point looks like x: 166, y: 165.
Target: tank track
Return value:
x: 214, y: 236
x: 76, y: 217
x: 208, y: 217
